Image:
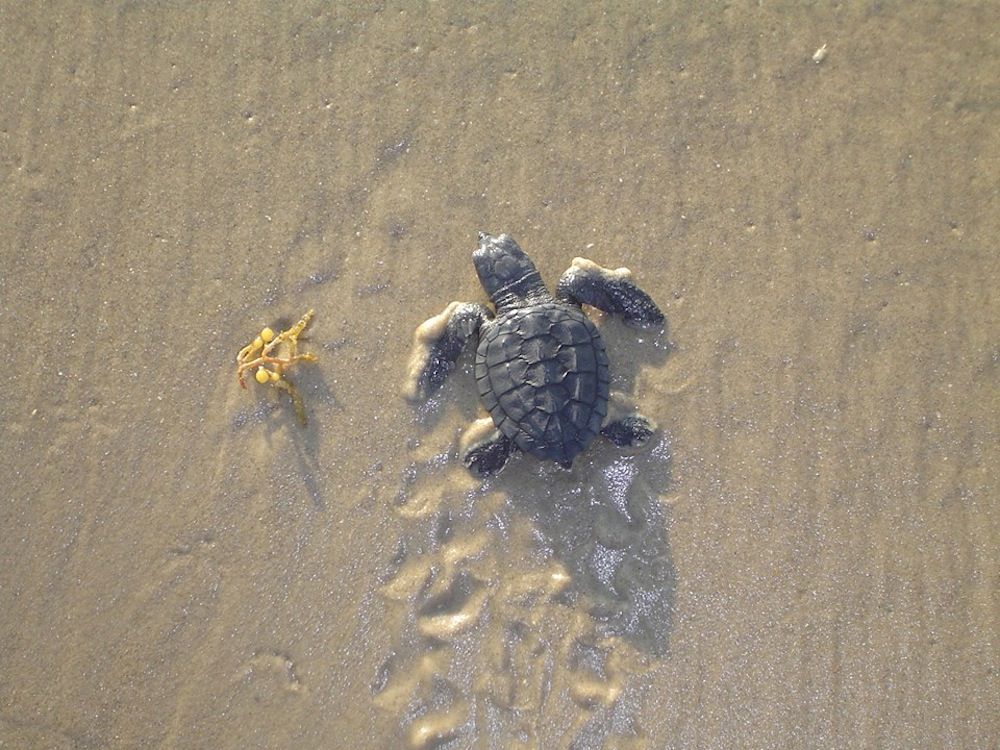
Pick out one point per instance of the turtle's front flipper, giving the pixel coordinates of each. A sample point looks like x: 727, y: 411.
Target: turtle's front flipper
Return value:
x: 623, y: 426
x: 437, y: 343
x: 484, y: 448
x: 609, y: 290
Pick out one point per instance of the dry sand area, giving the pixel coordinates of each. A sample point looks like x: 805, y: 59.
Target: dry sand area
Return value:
x: 805, y: 555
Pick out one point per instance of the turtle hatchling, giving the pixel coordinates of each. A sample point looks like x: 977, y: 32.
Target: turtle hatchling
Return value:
x: 541, y: 366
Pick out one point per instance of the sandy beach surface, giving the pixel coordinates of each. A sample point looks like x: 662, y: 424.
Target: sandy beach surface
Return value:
x: 805, y: 555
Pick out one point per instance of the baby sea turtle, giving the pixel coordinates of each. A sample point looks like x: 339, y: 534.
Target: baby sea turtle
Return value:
x: 541, y: 367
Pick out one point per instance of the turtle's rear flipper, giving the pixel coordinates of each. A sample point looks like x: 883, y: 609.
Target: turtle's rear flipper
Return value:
x: 437, y: 343
x: 484, y: 449
x: 610, y: 290
x: 628, y: 432
x: 623, y: 426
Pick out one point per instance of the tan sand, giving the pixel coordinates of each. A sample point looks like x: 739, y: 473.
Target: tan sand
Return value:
x: 806, y: 555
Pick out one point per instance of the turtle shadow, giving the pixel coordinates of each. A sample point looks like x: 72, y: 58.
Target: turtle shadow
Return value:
x: 606, y: 521
x: 630, y: 347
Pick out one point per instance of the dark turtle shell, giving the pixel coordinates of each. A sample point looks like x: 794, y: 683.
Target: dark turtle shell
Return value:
x: 543, y: 375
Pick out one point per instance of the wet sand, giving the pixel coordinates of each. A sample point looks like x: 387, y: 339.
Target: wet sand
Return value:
x: 806, y: 553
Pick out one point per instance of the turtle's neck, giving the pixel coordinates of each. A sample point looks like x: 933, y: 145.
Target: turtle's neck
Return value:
x: 524, y: 292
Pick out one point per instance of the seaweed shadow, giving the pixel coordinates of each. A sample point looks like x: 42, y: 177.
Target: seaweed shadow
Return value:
x: 274, y: 411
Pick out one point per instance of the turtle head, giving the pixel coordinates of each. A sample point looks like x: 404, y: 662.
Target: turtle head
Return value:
x: 505, y: 270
